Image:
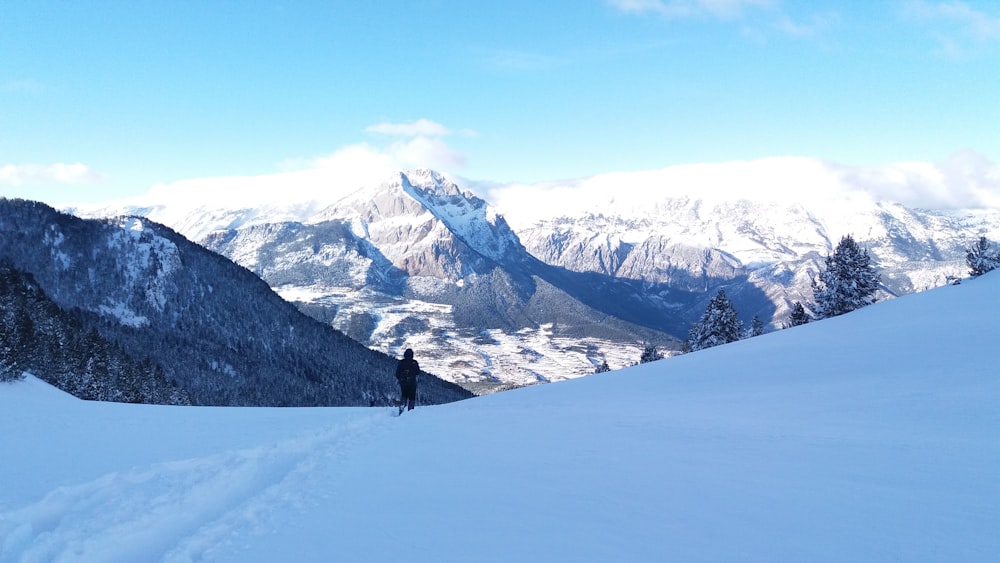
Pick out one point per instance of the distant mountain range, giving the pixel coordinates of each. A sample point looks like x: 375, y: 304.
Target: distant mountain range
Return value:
x: 200, y: 322
x: 415, y: 261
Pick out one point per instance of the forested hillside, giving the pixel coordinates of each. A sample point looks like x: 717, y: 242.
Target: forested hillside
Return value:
x: 211, y: 326
x: 38, y: 337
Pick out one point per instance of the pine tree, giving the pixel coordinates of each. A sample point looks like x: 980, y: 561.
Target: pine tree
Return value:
x: 649, y: 354
x: 719, y: 324
x: 756, y: 327
x: 799, y: 315
x: 849, y: 281
x: 981, y: 258
x: 9, y: 368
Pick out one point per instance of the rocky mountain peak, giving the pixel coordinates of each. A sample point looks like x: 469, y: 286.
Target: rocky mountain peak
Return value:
x: 426, y: 226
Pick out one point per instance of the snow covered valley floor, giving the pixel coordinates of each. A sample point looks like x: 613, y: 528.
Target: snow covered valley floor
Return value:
x: 869, y: 437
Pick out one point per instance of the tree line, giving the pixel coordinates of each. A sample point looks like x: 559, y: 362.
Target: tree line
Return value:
x: 847, y: 282
x: 38, y: 337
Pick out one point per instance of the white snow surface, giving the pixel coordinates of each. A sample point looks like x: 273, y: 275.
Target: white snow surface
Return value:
x: 867, y: 437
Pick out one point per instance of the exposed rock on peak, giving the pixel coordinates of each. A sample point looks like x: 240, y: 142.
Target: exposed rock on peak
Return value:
x: 426, y: 226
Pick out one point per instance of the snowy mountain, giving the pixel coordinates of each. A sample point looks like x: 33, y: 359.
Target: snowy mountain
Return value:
x: 417, y: 216
x: 572, y: 274
x: 689, y: 232
x: 415, y: 262
x: 213, y: 328
x: 867, y: 437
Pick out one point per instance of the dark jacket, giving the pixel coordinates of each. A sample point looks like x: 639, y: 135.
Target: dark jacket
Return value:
x: 406, y: 372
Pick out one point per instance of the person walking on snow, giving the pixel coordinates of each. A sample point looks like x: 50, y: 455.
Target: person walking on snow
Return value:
x: 406, y: 374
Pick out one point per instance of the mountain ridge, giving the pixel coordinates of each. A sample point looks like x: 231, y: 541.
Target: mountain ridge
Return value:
x: 430, y: 262
x: 416, y: 262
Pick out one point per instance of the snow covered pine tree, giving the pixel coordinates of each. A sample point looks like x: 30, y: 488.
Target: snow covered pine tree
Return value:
x: 719, y: 325
x: 798, y: 316
x: 849, y: 281
x: 649, y: 353
x: 981, y: 258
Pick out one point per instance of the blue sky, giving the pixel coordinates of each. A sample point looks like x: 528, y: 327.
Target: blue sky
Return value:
x: 101, y: 100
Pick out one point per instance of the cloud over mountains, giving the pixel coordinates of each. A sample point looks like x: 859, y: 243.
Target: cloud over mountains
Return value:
x: 58, y: 173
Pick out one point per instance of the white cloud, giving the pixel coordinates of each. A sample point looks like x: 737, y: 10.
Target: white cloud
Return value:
x: 811, y: 26
x: 17, y: 175
x: 355, y: 163
x: 758, y: 19
x: 976, y: 23
x: 724, y: 9
x: 423, y: 152
x: 360, y: 162
x: 958, y: 28
x: 418, y: 128
x: 318, y: 181
x: 421, y: 145
x: 322, y: 180
x: 313, y: 183
x: 965, y: 180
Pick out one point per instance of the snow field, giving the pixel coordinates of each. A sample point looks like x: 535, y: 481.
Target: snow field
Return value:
x: 138, y: 512
x: 867, y: 437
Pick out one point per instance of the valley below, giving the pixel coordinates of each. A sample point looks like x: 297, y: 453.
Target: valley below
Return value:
x: 481, y: 360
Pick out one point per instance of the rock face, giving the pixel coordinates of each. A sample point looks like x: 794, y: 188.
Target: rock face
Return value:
x: 427, y: 227
x: 415, y: 261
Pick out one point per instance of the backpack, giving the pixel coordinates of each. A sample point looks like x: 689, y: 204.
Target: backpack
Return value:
x: 406, y: 372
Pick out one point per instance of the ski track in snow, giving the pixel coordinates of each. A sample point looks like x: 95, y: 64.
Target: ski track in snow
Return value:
x: 129, y: 515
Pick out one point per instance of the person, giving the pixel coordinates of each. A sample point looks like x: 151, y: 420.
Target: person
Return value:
x: 406, y: 374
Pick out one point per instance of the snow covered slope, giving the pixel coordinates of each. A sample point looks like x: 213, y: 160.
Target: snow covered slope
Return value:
x: 867, y: 437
